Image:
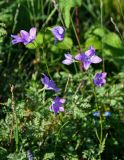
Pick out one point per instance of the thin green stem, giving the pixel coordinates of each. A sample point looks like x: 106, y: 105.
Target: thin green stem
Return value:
x: 15, y: 18
x: 75, y: 68
x: 44, y: 96
x: 121, y: 10
x: 50, y: 16
x: 76, y: 34
x: 101, y: 130
x: 15, y: 120
x: 101, y: 19
x: 33, y: 9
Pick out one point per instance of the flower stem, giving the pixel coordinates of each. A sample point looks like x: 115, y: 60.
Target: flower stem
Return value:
x: 76, y: 34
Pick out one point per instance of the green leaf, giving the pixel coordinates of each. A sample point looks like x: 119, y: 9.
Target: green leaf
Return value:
x: 39, y: 39
x: 93, y: 41
x: 36, y: 43
x: 113, y: 40
x: 67, y: 43
x: 99, y: 32
x: 65, y: 6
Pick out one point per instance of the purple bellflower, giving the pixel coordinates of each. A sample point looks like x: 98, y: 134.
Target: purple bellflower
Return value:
x: 99, y: 79
x: 57, y: 105
x: 24, y: 36
x: 49, y: 84
x: 58, y: 33
x: 68, y: 59
x: 88, y: 57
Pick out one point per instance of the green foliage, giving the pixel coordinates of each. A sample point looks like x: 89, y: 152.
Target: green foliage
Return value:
x: 108, y: 42
x: 36, y: 43
x: 67, y: 44
x: 65, y: 7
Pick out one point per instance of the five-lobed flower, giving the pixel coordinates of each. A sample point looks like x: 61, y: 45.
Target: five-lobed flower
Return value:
x: 88, y: 57
x: 24, y: 36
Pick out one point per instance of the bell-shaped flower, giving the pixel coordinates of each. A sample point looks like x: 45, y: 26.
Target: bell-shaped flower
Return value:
x: 57, y: 105
x: 49, y: 84
x: 24, y: 36
x: 100, y: 79
x: 58, y: 33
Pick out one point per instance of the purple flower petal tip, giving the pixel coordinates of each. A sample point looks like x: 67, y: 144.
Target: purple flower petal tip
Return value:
x: 68, y: 59
x: 78, y: 57
x: 49, y: 84
x: 24, y: 36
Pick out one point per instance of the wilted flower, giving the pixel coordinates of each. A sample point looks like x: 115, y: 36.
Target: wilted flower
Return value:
x: 68, y: 59
x: 107, y: 114
x: 88, y: 57
x: 96, y: 114
x: 49, y: 84
x: 58, y: 33
x: 24, y: 36
x: 57, y: 105
x: 99, y: 79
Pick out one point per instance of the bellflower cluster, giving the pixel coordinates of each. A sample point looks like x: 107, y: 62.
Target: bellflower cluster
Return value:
x: 24, y: 36
x: 105, y: 114
x: 49, y: 84
x: 57, y: 105
x: 58, y: 33
x: 99, y: 79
